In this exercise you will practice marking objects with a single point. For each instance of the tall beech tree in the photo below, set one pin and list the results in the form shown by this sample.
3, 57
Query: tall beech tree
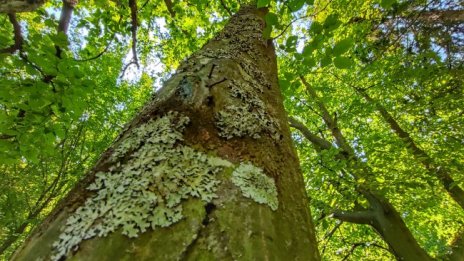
206, 170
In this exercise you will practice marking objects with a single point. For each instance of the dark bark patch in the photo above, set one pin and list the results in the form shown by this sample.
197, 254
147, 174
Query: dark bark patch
208, 208
210, 101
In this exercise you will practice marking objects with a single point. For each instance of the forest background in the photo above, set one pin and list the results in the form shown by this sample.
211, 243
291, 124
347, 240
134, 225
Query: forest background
373, 90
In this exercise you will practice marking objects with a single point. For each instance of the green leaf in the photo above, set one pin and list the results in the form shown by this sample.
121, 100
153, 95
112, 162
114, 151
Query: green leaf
267, 32
387, 4
263, 3
49, 23
271, 19
60, 39
310, 62
316, 27
295, 5
284, 84
59, 131
380, 179
63, 67
298, 56
331, 22
29, 152
289, 76
342, 62
308, 49
317, 41
326, 60
38, 103
309, 2
342, 46
291, 41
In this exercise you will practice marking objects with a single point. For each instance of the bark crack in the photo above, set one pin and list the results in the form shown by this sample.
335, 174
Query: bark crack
216, 83
209, 208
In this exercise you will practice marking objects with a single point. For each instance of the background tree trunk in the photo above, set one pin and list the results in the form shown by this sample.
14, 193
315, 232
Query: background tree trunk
206, 171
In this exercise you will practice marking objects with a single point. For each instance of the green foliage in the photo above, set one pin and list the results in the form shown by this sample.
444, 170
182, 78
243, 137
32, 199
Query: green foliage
342, 62
271, 19
342, 46
58, 114
409, 79
263, 3
387, 3
295, 5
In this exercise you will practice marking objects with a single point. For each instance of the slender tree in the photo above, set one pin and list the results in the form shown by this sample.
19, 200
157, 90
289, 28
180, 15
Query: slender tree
205, 171
380, 214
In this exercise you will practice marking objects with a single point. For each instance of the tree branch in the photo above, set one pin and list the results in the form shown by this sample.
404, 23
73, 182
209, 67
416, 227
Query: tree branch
135, 24
104, 50
18, 37
169, 6
319, 143
10, 6
443, 16
330, 233
66, 14
299, 18
65, 17
329, 120
364, 244
123, 72
357, 217
456, 248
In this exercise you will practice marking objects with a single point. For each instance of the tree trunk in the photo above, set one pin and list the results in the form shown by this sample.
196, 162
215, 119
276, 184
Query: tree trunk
206, 171
387, 222
456, 249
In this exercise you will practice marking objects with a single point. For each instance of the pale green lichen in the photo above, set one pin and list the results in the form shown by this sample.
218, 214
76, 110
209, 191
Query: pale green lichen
255, 184
146, 191
246, 115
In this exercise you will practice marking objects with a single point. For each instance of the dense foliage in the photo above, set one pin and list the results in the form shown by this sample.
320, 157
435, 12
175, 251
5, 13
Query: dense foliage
374, 89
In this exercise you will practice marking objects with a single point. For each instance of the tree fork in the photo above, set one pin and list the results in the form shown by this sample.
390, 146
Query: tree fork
205, 171
381, 214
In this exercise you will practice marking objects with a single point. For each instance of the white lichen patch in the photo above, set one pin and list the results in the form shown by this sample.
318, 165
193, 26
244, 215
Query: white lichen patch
147, 190
246, 115
255, 184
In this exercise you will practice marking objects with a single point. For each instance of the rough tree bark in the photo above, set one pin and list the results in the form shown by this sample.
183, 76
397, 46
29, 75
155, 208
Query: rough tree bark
15, 6
206, 171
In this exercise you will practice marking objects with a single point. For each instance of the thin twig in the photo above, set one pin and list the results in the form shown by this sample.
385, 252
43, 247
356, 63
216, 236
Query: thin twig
104, 50
98, 55
299, 18
126, 67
